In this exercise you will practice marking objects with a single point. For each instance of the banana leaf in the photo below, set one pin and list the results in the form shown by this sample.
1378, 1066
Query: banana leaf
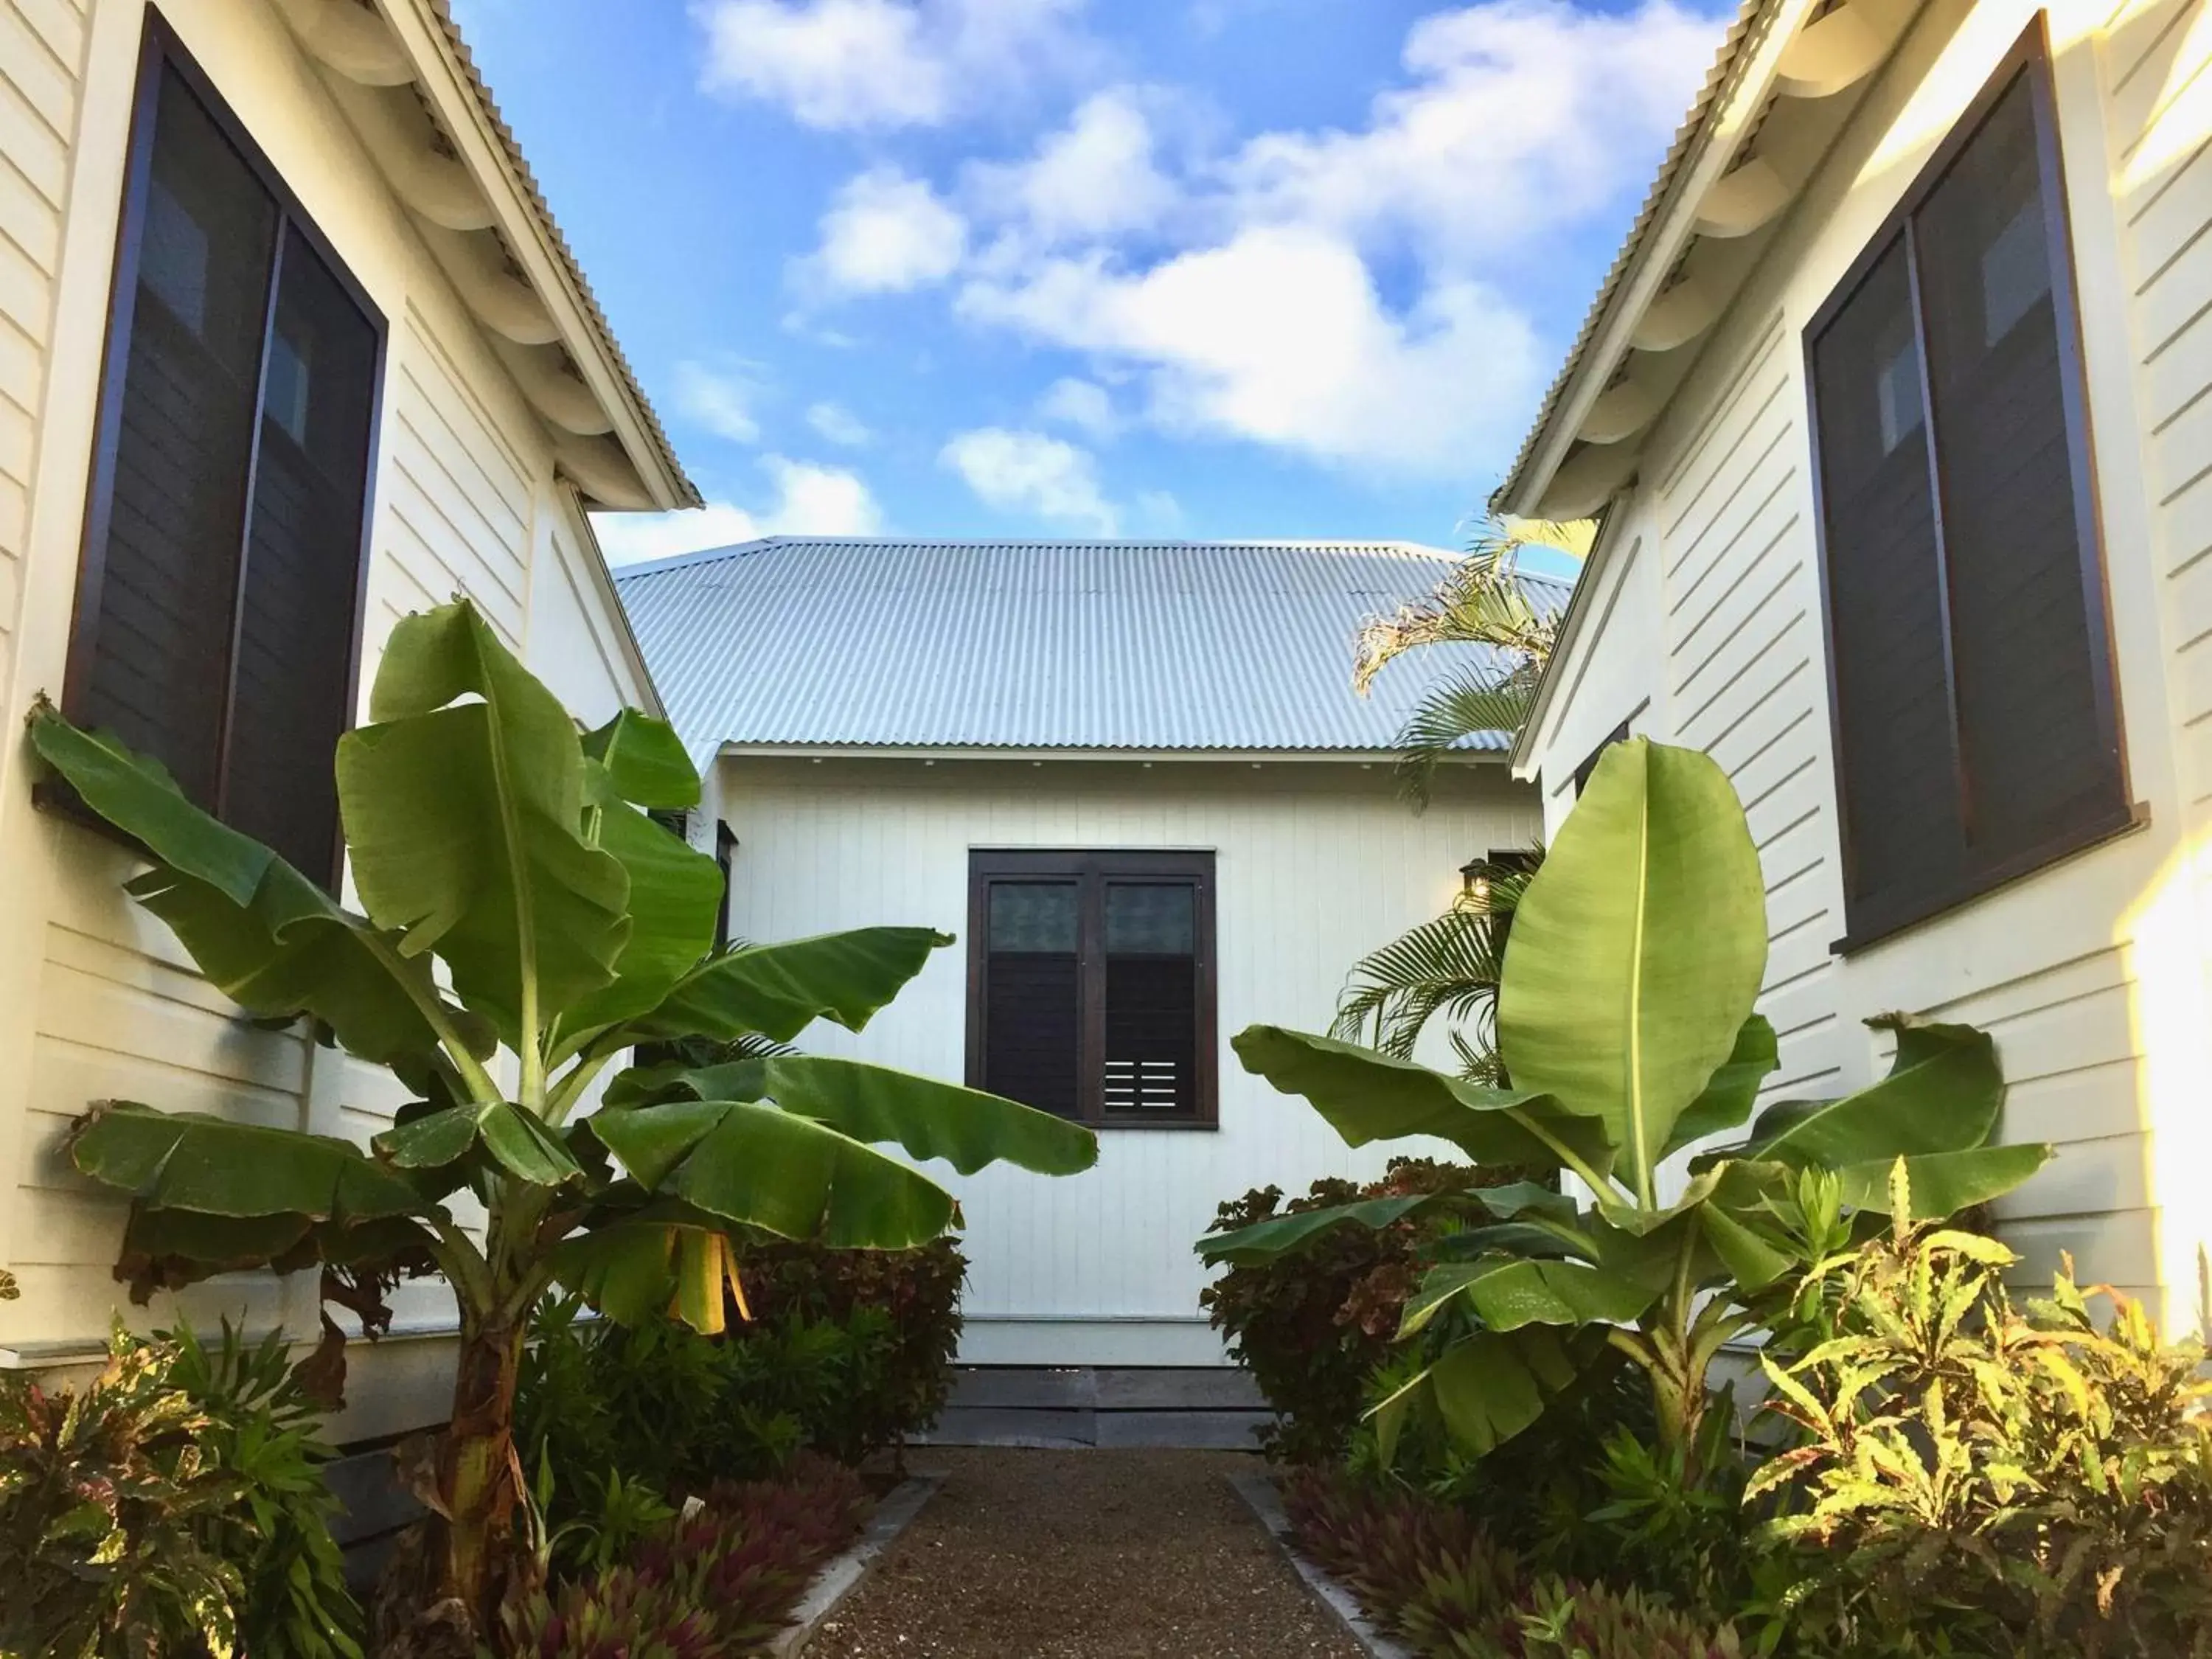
1637, 950
1367, 1097
778, 990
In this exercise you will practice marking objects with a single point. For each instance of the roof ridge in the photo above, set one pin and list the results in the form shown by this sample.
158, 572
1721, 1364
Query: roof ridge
763, 543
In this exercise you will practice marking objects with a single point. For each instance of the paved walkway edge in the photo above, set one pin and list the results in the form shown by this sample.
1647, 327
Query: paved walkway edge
1258, 1493
850, 1571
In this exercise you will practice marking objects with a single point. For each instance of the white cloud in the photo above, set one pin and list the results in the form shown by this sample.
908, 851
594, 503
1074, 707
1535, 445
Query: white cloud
836, 424
628, 538
1281, 336
809, 501
878, 65
1239, 293
820, 500
1519, 115
1031, 472
1084, 405
886, 233
1094, 178
720, 399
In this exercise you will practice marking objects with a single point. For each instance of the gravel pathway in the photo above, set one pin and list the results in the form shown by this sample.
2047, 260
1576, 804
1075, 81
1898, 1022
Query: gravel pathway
1082, 1555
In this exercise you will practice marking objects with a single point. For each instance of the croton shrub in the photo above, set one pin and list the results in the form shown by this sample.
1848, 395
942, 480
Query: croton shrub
1313, 1322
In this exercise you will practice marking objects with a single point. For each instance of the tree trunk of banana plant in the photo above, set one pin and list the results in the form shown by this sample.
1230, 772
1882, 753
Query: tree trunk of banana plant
475, 1471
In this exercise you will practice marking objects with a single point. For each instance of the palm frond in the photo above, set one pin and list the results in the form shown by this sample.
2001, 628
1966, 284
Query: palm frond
1482, 601
1453, 712
1448, 965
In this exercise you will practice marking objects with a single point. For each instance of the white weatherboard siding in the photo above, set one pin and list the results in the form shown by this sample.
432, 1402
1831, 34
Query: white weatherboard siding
96, 998
1315, 864
2091, 974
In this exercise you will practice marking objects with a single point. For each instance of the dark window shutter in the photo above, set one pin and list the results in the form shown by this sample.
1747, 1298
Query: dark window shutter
159, 670
219, 596
2037, 750
1899, 780
1032, 990
1152, 998
1090, 983
1034, 1032
1977, 730
295, 633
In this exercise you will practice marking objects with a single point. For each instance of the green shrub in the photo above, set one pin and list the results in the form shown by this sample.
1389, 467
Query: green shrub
900, 1311
718, 1582
845, 1351
1972, 1480
1315, 1323
1431, 1575
263, 1428
106, 1500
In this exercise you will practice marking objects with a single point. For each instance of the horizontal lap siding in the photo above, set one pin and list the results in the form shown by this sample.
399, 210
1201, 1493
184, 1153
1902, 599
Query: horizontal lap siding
42, 45
1745, 679
1309, 877
1737, 640
114, 1008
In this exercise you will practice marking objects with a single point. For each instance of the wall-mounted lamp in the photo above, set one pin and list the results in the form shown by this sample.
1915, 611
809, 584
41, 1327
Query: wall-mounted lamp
1474, 885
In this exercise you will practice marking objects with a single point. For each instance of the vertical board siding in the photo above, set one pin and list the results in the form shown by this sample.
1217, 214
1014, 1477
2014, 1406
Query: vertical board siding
1312, 870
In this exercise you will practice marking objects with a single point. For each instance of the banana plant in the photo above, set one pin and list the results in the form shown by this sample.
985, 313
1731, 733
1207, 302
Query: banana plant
523, 926
1626, 1022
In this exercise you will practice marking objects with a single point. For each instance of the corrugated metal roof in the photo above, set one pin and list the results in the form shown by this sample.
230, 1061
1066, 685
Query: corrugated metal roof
1160, 646
1751, 19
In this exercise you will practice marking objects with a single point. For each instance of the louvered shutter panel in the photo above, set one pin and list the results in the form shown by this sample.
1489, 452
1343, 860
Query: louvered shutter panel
2039, 752
1032, 1012
158, 674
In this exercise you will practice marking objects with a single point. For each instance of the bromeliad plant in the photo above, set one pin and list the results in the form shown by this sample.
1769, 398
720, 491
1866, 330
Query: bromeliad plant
1626, 1023
524, 924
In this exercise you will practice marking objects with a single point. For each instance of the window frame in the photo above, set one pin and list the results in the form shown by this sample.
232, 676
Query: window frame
1089, 866
160, 48
1871, 919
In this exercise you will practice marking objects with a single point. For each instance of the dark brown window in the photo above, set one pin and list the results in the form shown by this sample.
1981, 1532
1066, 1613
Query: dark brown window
1619, 734
1977, 733
1090, 983
217, 608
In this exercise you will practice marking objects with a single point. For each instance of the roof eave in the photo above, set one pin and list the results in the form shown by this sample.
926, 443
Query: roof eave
1732, 93
1519, 756
1039, 756
446, 76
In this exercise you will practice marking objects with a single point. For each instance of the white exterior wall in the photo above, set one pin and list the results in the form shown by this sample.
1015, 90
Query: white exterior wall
2091, 974
1315, 864
96, 998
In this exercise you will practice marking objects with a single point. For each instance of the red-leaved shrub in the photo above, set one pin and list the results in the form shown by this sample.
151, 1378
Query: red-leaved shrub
711, 1585
1428, 1574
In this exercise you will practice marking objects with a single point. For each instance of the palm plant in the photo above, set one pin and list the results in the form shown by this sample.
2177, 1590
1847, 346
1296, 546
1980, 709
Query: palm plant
525, 925
1482, 602
1448, 966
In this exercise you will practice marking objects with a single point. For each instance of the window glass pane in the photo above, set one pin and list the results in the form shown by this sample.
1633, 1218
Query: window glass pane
1033, 915
1149, 920
302, 571
169, 565
2037, 752
1885, 611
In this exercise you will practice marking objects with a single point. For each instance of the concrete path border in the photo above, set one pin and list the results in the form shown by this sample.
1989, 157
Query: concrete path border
1258, 1493
846, 1574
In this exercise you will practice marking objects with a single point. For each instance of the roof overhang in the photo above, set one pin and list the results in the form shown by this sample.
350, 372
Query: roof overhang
1787, 78
1364, 757
401, 75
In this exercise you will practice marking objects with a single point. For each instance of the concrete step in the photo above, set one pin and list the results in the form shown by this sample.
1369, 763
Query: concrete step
1195, 1407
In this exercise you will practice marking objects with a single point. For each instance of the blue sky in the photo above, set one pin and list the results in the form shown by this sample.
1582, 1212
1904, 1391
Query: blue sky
1204, 268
